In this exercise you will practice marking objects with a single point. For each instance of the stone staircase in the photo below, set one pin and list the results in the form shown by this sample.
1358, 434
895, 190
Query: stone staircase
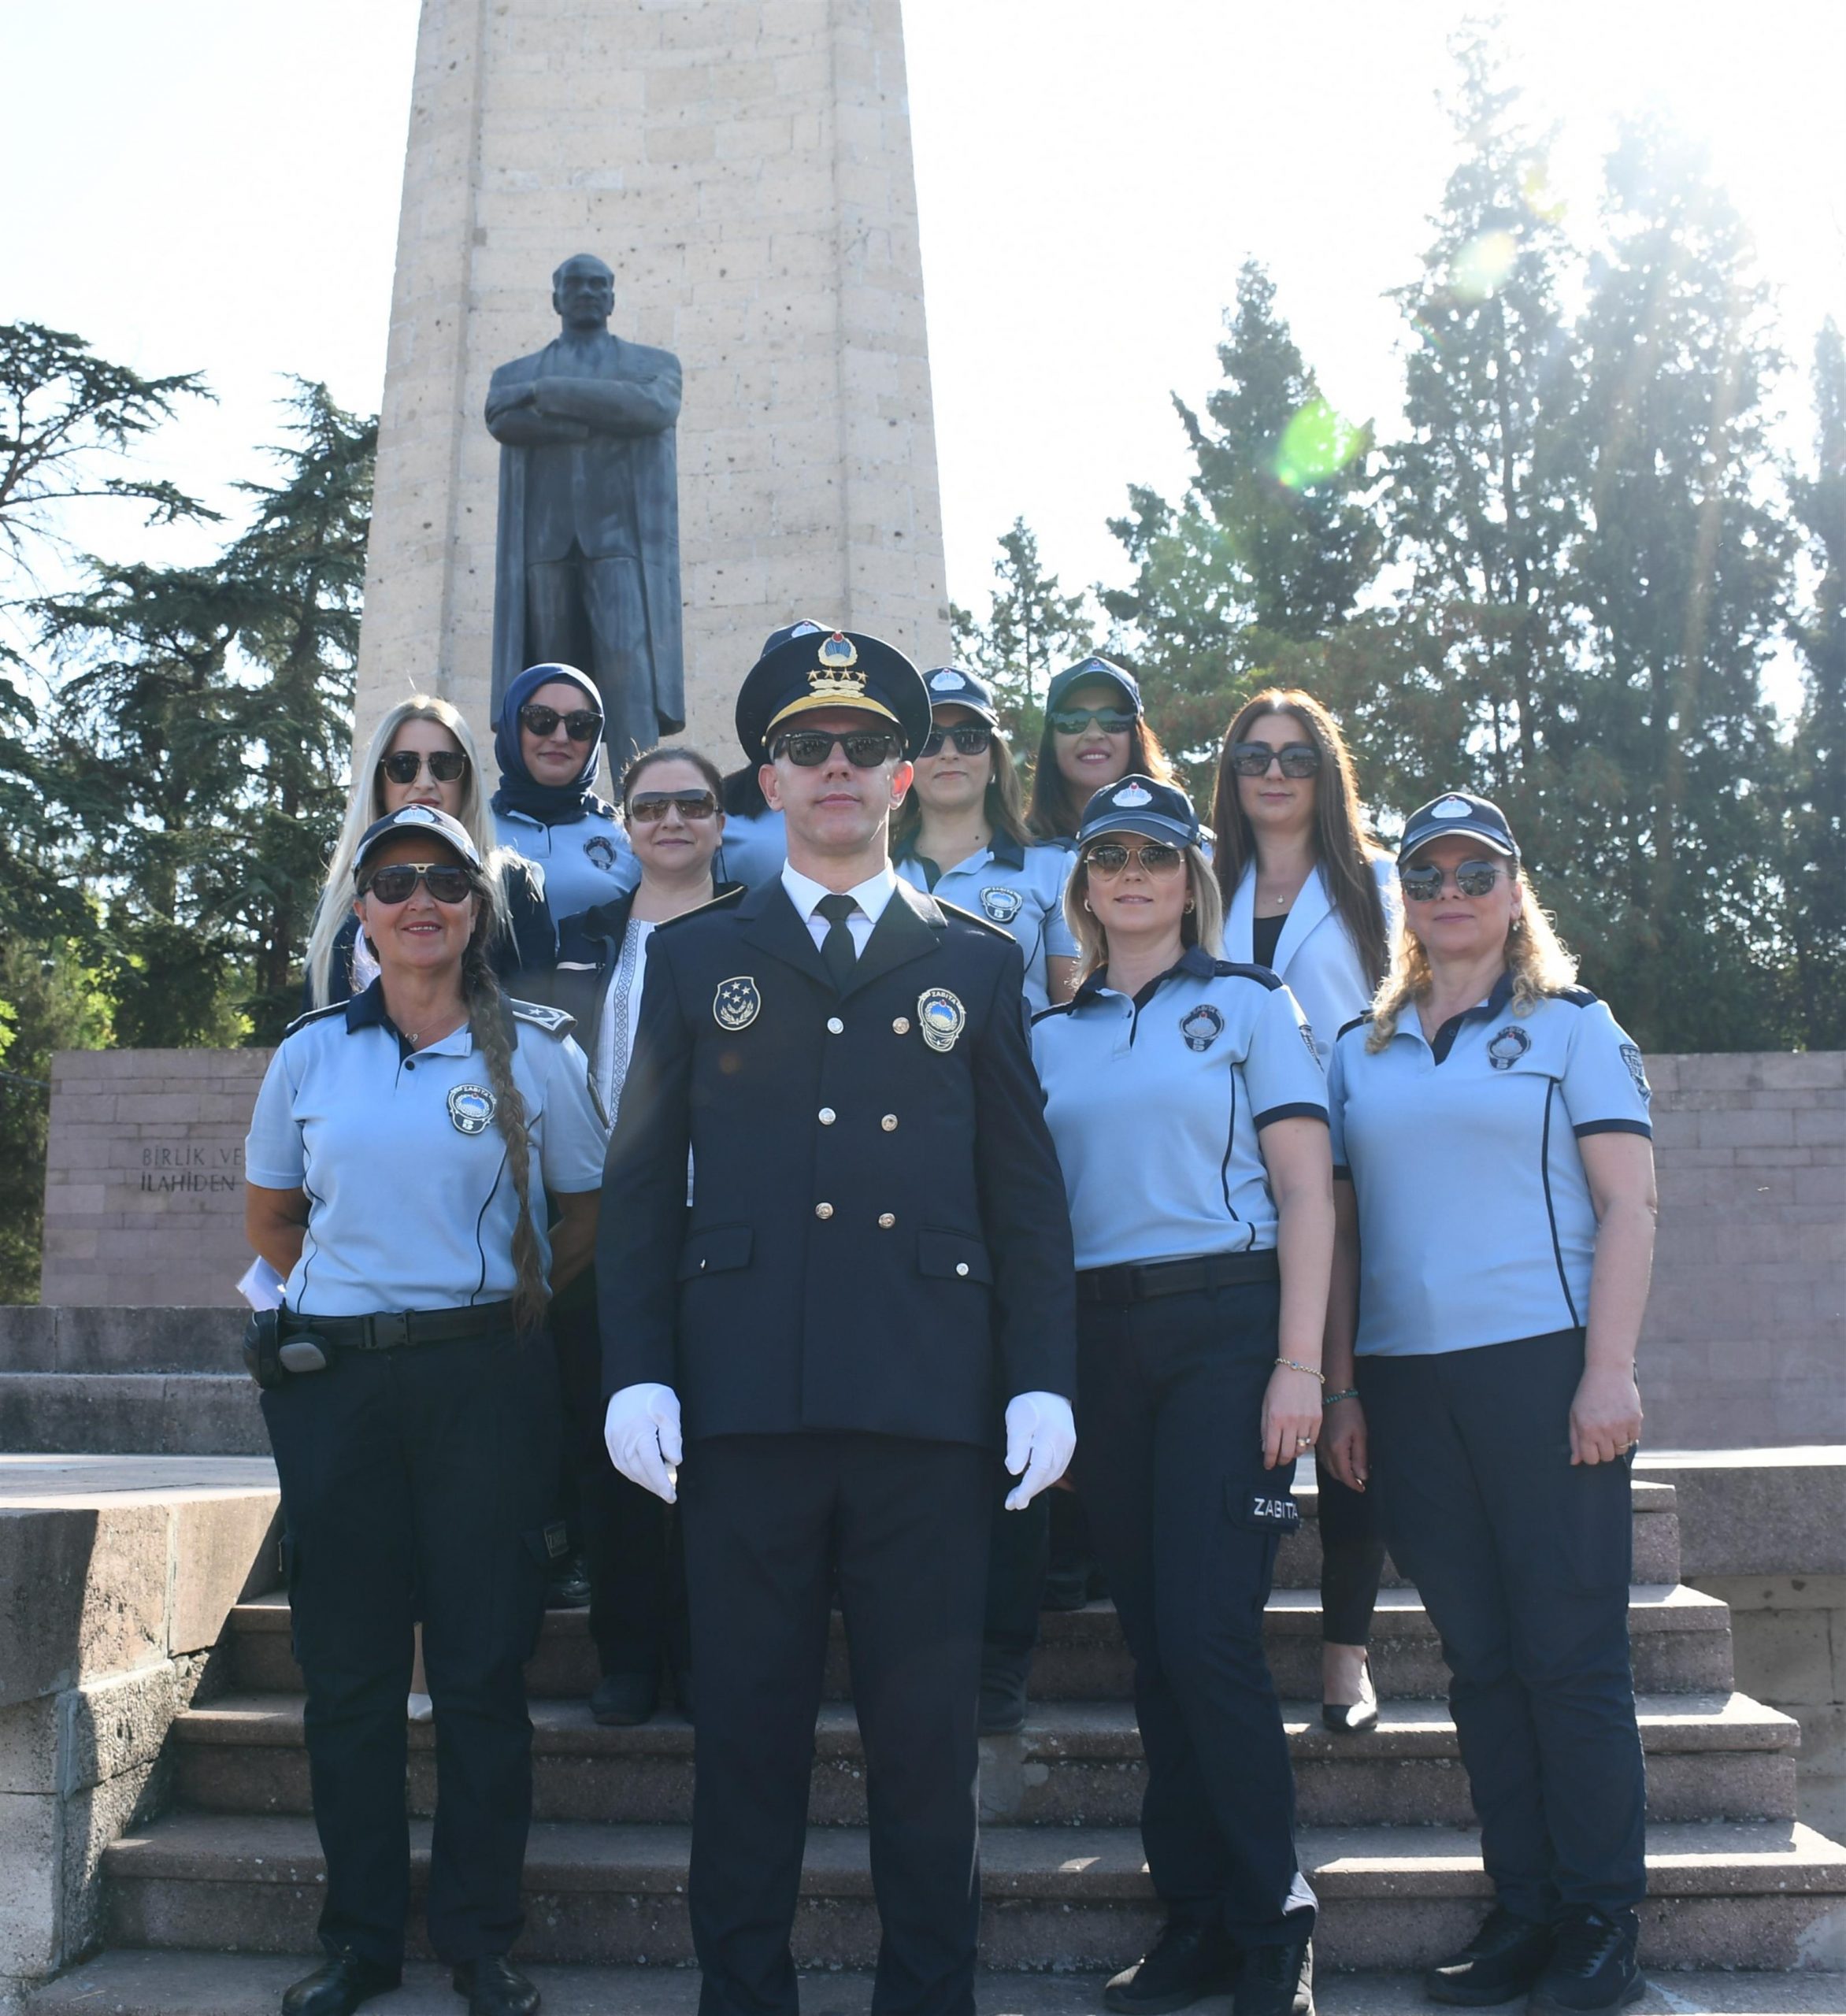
233, 1866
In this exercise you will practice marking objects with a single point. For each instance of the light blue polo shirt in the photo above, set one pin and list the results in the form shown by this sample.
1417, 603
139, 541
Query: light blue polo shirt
584, 862
1020, 889
410, 1203
1155, 1105
753, 848
1475, 1222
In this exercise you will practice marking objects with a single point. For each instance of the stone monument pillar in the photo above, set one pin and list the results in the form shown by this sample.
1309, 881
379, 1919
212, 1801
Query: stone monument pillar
744, 167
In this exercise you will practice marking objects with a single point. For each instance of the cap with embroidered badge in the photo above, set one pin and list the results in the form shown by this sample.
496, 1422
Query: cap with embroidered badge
837, 668
955, 686
419, 820
1074, 675
1140, 805
1457, 812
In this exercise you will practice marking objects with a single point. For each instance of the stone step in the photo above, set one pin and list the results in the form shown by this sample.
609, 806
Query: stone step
1742, 1895
141, 1414
1075, 1764
128, 1981
1681, 1641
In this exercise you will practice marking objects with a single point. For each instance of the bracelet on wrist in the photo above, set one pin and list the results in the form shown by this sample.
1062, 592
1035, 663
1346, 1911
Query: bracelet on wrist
1289, 1363
1345, 1393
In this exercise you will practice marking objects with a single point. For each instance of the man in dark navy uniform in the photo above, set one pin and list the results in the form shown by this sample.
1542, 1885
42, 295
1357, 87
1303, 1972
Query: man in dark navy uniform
875, 1273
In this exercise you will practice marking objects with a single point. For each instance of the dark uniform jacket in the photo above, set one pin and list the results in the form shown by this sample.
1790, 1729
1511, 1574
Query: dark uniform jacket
589, 944
879, 1240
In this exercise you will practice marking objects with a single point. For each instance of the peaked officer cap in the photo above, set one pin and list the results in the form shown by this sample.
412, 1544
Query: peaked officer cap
832, 669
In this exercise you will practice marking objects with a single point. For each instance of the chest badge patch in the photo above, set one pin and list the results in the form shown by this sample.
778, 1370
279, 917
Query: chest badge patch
1202, 1026
1001, 905
471, 1107
941, 1018
600, 849
1507, 1047
737, 1003
1637, 1071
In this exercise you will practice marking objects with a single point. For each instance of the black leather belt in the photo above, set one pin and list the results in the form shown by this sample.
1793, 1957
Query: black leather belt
392, 1330
1143, 1281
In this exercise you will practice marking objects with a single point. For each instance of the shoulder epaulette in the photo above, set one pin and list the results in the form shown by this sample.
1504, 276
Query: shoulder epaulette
1357, 1022
313, 1015
969, 916
541, 1016
719, 903
1578, 997
1235, 969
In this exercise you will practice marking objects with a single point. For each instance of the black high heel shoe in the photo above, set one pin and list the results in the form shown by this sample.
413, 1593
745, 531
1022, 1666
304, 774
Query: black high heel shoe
1353, 1717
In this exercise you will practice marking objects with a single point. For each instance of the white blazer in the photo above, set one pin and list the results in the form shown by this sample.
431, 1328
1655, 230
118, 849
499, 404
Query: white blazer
1314, 956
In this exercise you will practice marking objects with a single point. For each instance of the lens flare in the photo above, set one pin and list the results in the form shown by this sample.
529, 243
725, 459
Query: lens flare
1316, 444
1481, 266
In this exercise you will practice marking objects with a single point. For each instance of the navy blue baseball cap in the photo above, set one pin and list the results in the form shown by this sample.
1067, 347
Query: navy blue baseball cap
1092, 668
1457, 812
421, 820
831, 669
1139, 805
955, 686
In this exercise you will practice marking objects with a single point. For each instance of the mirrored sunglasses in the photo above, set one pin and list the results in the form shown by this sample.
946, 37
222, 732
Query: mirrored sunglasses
1423, 884
646, 808
1109, 858
1073, 720
810, 748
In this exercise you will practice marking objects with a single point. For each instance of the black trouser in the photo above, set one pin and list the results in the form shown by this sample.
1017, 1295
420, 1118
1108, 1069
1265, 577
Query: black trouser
632, 1553
593, 614
1019, 1551
767, 1518
1352, 1559
1523, 1563
1186, 1522
421, 1477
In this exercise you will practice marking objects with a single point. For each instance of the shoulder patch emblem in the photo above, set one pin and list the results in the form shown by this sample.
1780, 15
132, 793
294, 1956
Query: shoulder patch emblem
1638, 1071
1001, 904
737, 1002
600, 849
941, 1018
1202, 1026
471, 1107
1506, 1046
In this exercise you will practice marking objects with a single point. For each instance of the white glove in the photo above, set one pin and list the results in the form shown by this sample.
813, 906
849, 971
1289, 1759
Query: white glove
641, 1431
1041, 1438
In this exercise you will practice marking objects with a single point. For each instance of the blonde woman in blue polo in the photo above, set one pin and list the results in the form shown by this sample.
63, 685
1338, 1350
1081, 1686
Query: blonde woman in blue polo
1496, 1203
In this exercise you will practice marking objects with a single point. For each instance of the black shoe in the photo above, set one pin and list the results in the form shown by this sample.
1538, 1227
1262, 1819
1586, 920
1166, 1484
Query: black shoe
1592, 1964
567, 1587
1188, 1961
683, 1691
1276, 1981
1503, 1960
623, 1700
494, 1987
339, 1988
1002, 1692
1353, 1717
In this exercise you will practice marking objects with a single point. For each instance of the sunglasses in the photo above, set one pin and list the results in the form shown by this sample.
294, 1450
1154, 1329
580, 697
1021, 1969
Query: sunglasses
1073, 720
1110, 857
1472, 878
393, 885
403, 765
648, 808
810, 748
970, 740
581, 724
1252, 759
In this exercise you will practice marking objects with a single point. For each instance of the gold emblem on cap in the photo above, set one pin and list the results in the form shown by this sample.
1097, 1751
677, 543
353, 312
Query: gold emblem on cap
836, 676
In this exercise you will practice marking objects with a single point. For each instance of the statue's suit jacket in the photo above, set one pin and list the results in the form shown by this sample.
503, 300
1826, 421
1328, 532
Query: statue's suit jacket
609, 494
939, 1279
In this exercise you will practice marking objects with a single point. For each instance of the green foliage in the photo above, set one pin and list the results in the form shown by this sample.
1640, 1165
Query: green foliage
1033, 630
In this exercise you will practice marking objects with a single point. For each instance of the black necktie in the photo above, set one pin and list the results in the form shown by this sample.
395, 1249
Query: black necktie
837, 948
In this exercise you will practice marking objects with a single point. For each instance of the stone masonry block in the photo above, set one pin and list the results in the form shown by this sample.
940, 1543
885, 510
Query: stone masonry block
28, 1746
222, 1549
30, 1882
29, 1338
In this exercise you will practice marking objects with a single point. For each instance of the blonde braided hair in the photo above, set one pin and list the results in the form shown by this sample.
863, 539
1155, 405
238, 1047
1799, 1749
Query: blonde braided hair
487, 1021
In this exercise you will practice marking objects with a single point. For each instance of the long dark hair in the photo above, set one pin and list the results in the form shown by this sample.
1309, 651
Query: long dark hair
1341, 848
1053, 812
1002, 806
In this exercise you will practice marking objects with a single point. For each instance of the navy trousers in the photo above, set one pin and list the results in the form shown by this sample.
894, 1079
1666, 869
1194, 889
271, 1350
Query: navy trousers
1523, 1563
1186, 1523
418, 1482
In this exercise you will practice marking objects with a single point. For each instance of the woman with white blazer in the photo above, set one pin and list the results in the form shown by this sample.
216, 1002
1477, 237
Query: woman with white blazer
1306, 894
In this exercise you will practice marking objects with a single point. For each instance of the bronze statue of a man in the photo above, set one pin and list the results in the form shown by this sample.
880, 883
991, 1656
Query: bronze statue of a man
587, 569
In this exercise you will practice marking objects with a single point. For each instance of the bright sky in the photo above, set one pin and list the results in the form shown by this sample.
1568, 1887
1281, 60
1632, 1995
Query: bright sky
213, 184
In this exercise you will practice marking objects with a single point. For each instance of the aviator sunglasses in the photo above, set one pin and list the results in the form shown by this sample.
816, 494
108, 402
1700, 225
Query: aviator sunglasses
581, 724
970, 739
1424, 885
401, 765
1252, 759
1073, 720
810, 748
648, 808
393, 885
1110, 857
